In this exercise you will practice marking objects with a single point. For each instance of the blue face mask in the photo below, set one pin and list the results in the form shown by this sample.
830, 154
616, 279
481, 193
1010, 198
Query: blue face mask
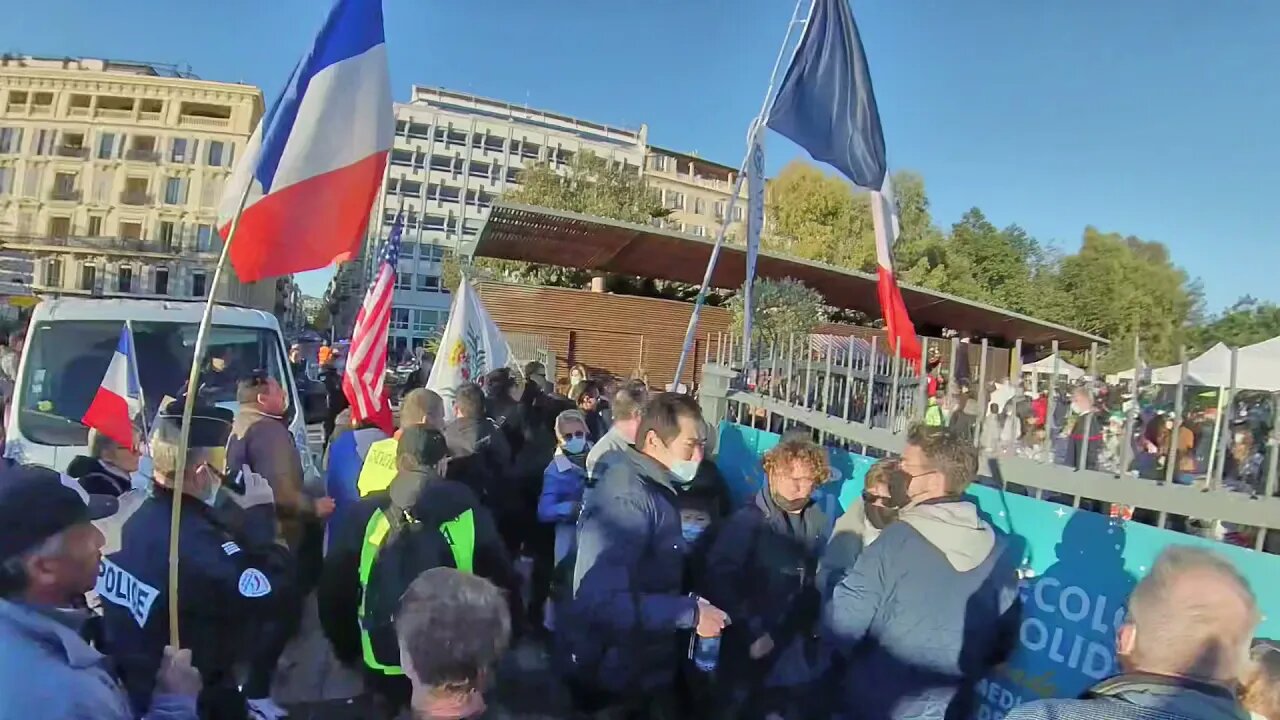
685, 470
692, 531
575, 446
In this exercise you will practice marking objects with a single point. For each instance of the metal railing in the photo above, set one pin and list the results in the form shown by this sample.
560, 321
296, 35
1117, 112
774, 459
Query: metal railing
71, 194
69, 151
135, 197
865, 400
142, 155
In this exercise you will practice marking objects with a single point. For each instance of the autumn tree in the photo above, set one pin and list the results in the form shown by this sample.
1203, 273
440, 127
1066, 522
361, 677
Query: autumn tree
1246, 322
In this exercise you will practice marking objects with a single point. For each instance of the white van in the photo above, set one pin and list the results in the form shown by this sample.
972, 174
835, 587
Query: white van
70, 342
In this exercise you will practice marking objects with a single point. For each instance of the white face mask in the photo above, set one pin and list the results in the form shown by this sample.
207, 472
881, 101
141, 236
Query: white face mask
685, 470
210, 496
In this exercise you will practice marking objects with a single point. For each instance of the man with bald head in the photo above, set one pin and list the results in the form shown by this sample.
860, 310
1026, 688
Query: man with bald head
419, 407
1183, 646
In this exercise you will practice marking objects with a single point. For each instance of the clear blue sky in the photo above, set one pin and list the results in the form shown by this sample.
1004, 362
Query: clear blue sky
1148, 118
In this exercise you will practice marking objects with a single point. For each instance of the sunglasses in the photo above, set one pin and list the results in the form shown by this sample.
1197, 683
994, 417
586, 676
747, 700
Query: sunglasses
871, 498
575, 434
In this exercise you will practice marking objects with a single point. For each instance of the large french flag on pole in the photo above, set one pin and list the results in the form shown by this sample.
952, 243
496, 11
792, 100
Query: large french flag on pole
313, 167
119, 397
827, 106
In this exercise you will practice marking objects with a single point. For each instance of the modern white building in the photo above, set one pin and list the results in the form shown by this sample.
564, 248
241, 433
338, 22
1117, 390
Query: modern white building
454, 155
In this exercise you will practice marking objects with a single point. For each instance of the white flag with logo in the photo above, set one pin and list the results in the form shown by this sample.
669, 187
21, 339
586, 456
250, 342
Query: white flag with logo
755, 222
471, 347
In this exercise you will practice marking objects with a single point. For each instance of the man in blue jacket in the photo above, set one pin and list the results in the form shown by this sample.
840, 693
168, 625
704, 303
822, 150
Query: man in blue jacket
619, 638
930, 605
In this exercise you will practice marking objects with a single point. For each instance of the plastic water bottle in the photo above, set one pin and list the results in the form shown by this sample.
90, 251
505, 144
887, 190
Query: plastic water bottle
706, 653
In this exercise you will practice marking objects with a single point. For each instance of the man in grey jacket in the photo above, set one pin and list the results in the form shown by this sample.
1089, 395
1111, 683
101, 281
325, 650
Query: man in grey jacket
628, 406
1183, 646
49, 558
930, 605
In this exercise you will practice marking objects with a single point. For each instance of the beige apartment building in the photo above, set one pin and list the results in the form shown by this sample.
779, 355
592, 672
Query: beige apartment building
111, 174
697, 193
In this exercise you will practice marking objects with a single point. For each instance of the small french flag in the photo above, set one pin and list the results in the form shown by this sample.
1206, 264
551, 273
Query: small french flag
119, 397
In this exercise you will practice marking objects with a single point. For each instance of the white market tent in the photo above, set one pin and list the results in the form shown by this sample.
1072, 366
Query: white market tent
1045, 367
1257, 368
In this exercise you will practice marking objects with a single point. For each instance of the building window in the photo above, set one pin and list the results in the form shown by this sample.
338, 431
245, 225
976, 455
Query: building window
53, 272
64, 186
6, 180
44, 142
426, 322
88, 277
720, 208
698, 231
124, 279
699, 206
162, 281
59, 227
198, 284
106, 145
674, 200
399, 318
178, 150
175, 191
166, 235
428, 283
433, 222
204, 238
131, 230
433, 253
95, 226
737, 213
10, 140
404, 281
660, 162
216, 154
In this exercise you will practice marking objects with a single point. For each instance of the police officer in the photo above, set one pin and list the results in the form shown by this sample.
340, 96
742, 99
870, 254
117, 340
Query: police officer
227, 578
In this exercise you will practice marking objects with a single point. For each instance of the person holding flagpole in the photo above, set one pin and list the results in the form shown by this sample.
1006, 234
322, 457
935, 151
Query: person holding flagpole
113, 418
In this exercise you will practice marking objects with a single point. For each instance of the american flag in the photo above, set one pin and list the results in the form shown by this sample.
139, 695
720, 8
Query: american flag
367, 358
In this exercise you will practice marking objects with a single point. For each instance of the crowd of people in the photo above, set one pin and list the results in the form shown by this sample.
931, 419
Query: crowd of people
586, 521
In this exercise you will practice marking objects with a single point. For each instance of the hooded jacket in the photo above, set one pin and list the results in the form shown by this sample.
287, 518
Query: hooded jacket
99, 478
761, 571
480, 458
924, 612
1139, 696
431, 500
563, 483
628, 602
48, 671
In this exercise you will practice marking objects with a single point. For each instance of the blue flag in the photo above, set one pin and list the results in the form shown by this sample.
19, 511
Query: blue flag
825, 103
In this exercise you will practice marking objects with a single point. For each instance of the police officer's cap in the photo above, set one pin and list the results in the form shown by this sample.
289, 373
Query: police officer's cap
210, 425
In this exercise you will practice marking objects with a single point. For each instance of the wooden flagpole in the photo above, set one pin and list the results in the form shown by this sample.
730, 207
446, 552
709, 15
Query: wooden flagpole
184, 436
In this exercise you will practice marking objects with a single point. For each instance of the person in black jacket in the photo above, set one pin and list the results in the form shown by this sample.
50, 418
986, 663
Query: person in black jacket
416, 505
229, 576
761, 569
481, 458
106, 469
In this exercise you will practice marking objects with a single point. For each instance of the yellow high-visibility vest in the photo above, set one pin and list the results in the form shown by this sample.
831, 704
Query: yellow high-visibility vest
379, 467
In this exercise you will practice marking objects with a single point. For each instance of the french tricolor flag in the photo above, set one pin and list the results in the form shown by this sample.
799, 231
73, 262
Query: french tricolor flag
314, 165
119, 397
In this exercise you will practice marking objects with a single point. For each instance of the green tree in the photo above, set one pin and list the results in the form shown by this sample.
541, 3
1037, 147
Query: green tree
1000, 262
818, 216
1246, 322
779, 308
591, 185
1120, 287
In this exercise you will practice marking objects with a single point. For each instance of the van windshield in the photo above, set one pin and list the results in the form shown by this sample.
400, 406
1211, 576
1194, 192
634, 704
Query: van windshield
67, 359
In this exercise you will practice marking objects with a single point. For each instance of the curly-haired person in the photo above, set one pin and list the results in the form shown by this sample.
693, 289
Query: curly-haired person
761, 570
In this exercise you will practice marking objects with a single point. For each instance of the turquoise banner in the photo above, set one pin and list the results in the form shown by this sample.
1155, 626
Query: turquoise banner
1080, 568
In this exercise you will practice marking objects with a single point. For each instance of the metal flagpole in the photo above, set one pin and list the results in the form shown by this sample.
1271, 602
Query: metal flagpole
758, 125
142, 397
184, 435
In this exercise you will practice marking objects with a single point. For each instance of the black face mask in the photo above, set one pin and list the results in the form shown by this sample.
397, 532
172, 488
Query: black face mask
879, 516
790, 505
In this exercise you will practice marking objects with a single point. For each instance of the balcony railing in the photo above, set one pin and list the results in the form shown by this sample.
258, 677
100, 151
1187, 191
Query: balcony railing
135, 197
142, 155
71, 151
102, 244
204, 122
70, 194
113, 114
151, 116
78, 112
